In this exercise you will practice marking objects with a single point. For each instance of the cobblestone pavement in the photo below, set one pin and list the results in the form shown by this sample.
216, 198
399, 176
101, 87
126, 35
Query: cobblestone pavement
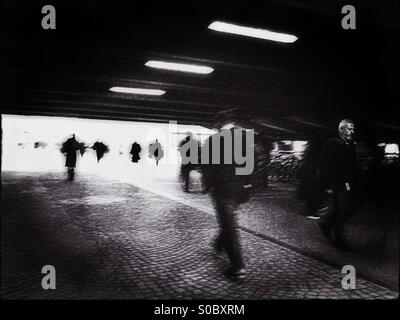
111, 240
281, 218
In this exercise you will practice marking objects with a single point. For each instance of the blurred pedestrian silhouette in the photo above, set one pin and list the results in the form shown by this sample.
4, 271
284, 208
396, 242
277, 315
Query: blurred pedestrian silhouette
189, 161
69, 149
100, 149
228, 189
135, 152
156, 151
309, 185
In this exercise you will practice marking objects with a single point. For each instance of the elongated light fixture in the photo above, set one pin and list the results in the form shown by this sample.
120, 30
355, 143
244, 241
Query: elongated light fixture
151, 92
182, 67
252, 32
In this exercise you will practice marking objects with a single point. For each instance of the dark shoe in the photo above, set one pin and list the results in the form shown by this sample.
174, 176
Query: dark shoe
340, 240
328, 237
236, 273
340, 245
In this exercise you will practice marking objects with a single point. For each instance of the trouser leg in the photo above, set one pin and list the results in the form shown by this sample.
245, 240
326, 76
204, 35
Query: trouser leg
342, 208
219, 240
228, 238
327, 220
232, 242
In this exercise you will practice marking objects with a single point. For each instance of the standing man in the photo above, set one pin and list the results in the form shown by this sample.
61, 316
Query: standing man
227, 188
337, 171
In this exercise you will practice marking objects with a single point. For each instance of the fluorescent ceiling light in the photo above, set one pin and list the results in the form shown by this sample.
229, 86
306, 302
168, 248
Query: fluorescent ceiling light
179, 67
252, 32
151, 92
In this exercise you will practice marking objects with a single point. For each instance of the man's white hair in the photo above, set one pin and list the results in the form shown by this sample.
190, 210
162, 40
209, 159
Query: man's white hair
344, 122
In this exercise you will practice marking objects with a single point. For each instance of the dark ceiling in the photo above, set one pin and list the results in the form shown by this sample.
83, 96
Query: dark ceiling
299, 89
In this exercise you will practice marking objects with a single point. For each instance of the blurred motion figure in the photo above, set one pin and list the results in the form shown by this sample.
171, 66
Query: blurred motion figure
69, 148
188, 146
228, 189
100, 149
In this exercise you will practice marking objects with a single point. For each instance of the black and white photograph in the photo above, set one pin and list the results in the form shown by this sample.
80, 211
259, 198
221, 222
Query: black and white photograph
200, 150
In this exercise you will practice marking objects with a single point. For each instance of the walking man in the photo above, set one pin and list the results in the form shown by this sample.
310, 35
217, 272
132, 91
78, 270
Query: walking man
228, 189
337, 170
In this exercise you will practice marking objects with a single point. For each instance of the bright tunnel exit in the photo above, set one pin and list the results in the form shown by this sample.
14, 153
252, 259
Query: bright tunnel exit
33, 143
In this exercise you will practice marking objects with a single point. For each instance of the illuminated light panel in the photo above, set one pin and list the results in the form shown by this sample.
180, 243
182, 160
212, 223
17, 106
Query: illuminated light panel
252, 32
151, 92
182, 67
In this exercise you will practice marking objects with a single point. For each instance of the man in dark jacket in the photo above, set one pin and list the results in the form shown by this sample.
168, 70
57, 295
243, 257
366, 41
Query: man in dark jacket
337, 171
229, 182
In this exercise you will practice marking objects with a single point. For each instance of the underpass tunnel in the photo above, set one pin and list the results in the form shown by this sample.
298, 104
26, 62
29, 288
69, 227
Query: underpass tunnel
94, 113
